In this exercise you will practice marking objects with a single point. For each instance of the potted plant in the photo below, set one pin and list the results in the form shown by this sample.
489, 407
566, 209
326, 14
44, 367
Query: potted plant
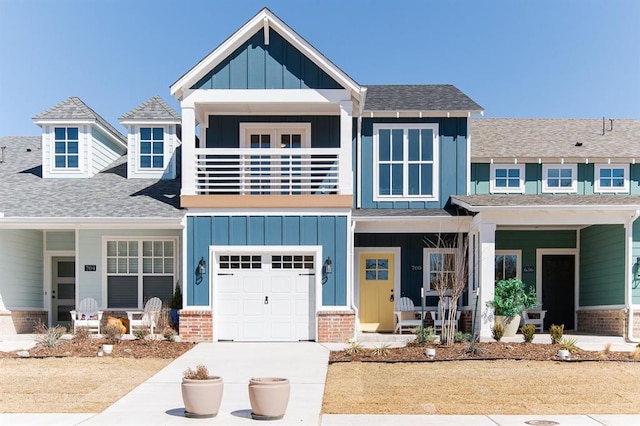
269, 397
175, 304
510, 298
201, 393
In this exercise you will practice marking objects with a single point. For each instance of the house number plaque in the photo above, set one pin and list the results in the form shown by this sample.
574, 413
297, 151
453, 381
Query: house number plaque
90, 268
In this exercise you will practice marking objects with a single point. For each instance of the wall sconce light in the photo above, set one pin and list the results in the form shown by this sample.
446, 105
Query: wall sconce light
326, 266
638, 261
202, 266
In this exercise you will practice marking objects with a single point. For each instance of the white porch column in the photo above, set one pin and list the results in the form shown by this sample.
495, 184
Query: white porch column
188, 151
486, 274
346, 142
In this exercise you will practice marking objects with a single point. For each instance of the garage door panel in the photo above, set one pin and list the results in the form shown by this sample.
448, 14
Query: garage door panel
252, 284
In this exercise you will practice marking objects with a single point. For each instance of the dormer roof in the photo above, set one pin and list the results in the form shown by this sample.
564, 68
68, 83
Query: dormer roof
155, 109
263, 20
72, 110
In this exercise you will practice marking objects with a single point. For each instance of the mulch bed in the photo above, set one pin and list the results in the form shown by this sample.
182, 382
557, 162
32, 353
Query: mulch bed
484, 351
121, 349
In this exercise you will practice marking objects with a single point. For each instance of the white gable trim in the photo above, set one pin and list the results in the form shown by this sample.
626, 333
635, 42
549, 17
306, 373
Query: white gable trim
258, 22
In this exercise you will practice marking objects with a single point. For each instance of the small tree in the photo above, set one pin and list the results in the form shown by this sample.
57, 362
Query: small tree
449, 280
176, 300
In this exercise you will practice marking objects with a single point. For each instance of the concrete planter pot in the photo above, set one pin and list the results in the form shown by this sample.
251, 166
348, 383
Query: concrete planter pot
202, 398
269, 397
107, 348
564, 354
511, 325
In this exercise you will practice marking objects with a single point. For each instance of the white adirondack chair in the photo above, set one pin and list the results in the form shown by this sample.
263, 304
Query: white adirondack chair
535, 317
406, 316
87, 315
146, 318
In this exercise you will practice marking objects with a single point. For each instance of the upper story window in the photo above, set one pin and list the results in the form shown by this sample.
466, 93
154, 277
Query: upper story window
507, 178
612, 178
66, 153
151, 148
275, 135
559, 178
405, 162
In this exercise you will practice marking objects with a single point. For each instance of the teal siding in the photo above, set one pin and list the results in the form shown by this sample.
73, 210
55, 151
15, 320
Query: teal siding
529, 242
276, 66
585, 179
634, 175
636, 269
61, 240
452, 162
480, 176
224, 130
532, 178
602, 257
327, 231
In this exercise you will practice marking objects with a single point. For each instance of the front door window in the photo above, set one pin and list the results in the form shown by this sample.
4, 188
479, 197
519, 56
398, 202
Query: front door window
376, 291
63, 290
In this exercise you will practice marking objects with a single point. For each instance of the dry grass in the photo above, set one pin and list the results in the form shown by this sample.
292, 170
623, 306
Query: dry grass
482, 387
70, 385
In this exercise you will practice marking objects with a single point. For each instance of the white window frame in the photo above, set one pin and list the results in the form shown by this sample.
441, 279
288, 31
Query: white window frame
434, 127
426, 266
152, 169
517, 253
275, 130
574, 178
500, 190
609, 190
82, 142
140, 273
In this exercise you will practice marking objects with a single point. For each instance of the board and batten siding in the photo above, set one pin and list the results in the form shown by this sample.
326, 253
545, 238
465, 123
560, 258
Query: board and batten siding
602, 267
21, 268
224, 130
529, 242
277, 65
90, 252
452, 162
103, 151
481, 176
330, 232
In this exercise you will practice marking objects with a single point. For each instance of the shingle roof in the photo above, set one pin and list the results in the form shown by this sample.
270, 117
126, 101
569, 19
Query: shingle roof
24, 194
543, 137
509, 200
153, 109
423, 97
73, 108
377, 213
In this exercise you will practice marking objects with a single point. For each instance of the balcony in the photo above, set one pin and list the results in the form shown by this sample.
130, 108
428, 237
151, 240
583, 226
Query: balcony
284, 177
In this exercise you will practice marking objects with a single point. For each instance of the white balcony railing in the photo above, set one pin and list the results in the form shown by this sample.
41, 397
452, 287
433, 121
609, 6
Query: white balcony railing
286, 171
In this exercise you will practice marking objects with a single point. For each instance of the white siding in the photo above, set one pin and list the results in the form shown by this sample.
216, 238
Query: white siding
103, 152
21, 264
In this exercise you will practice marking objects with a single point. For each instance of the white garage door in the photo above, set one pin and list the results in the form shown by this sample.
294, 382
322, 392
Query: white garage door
265, 297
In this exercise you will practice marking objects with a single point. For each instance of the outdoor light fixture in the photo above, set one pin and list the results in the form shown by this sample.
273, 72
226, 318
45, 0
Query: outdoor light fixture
638, 260
202, 266
326, 266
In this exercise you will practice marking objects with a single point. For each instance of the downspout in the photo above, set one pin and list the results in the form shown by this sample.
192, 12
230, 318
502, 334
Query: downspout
353, 287
629, 287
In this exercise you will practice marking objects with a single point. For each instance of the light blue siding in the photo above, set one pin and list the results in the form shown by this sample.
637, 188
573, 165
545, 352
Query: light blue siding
61, 240
330, 232
602, 262
21, 262
104, 151
452, 162
276, 66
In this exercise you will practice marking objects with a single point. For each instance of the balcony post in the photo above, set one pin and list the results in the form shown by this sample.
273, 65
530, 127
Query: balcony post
188, 151
346, 140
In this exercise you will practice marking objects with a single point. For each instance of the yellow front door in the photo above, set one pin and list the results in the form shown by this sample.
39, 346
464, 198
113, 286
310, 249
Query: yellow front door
376, 291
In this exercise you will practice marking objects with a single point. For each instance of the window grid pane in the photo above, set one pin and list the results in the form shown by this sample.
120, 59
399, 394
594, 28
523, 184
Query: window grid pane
151, 147
66, 148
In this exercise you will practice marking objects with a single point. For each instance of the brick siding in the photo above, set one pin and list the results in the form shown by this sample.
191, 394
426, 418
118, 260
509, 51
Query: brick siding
196, 326
605, 322
17, 322
336, 326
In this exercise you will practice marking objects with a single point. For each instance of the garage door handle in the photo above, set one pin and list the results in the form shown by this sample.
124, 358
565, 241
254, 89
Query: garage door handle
306, 274
266, 300
224, 274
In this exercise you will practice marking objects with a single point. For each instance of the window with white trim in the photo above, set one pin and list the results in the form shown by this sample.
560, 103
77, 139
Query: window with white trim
66, 148
611, 178
559, 178
439, 266
507, 264
275, 135
151, 147
507, 178
405, 160
138, 270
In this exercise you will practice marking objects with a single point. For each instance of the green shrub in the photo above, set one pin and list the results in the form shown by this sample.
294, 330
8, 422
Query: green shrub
569, 344
528, 332
497, 331
354, 348
511, 297
461, 337
556, 332
49, 337
424, 335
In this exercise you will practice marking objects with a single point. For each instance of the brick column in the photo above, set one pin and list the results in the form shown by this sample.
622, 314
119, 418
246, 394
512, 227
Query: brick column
336, 326
196, 326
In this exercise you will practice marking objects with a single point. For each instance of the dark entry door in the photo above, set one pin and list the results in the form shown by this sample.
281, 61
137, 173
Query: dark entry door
558, 289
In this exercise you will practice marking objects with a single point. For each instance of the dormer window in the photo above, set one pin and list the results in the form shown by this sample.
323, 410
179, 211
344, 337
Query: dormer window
507, 178
66, 153
151, 148
612, 178
558, 178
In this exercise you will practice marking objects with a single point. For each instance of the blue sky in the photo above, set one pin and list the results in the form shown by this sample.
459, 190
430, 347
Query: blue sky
543, 58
